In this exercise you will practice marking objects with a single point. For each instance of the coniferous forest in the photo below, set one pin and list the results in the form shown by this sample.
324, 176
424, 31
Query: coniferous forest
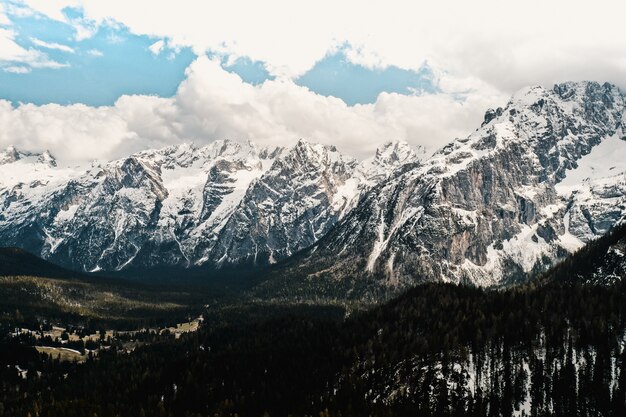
438, 350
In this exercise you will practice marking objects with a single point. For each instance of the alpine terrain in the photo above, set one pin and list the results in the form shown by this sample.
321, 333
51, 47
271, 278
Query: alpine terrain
537, 180
223, 204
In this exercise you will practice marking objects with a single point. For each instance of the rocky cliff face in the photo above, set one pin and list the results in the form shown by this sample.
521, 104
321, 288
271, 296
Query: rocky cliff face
145, 209
488, 209
223, 204
296, 201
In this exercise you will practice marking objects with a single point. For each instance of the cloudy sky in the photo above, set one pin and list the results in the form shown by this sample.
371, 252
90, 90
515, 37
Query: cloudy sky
99, 79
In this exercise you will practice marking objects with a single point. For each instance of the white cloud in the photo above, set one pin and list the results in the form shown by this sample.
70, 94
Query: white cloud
95, 53
17, 10
157, 47
17, 69
212, 103
4, 19
72, 132
488, 48
505, 44
83, 31
52, 45
12, 53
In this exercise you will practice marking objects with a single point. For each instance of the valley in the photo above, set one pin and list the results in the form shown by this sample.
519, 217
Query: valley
486, 279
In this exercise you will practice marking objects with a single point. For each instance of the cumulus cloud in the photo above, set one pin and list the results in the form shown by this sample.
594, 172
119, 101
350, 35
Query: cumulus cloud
74, 133
481, 52
212, 103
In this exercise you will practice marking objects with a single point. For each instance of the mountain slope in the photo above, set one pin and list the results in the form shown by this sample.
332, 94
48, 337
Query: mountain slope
600, 262
487, 209
539, 179
17, 262
303, 194
224, 204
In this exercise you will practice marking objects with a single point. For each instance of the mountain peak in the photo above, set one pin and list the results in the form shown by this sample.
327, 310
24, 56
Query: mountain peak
308, 153
465, 213
570, 91
485, 209
389, 156
246, 153
395, 151
10, 154
47, 158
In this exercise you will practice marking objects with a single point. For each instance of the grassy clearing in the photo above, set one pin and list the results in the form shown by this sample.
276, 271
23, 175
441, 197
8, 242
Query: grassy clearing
98, 299
64, 354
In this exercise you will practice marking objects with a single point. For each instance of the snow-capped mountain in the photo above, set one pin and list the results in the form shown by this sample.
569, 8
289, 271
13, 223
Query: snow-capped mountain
223, 204
11, 155
540, 178
537, 180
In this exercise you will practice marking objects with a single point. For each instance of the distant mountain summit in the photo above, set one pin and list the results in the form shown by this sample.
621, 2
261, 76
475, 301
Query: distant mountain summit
11, 155
224, 204
539, 179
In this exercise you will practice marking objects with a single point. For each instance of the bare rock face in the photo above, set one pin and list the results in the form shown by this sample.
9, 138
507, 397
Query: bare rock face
287, 209
225, 204
488, 209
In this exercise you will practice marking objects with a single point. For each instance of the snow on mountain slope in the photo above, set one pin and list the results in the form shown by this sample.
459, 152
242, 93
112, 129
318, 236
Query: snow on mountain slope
205, 193
606, 160
537, 180
484, 209
139, 209
596, 189
373, 170
27, 180
180, 205
302, 195
18, 167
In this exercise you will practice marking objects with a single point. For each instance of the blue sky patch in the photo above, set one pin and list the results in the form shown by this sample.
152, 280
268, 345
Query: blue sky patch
100, 69
252, 72
112, 62
336, 76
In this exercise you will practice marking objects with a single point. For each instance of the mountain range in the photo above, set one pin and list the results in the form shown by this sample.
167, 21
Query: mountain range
537, 180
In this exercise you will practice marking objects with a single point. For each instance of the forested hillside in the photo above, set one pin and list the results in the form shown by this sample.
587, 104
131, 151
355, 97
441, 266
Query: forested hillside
440, 350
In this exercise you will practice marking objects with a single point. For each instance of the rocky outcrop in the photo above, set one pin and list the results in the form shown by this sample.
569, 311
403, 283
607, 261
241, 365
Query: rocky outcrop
485, 209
